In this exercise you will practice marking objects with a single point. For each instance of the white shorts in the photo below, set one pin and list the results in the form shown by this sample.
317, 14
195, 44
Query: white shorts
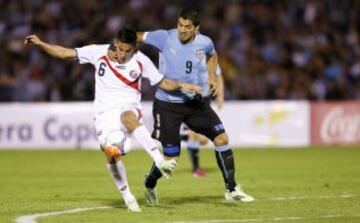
109, 128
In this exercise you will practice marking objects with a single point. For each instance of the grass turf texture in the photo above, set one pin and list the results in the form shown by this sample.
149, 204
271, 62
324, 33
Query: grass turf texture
45, 181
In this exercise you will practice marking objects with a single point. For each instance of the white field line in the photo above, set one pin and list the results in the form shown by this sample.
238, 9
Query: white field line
309, 197
33, 218
267, 219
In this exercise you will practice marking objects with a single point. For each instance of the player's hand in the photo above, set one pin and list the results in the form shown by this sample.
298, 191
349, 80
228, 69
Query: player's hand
214, 86
166, 167
32, 39
191, 88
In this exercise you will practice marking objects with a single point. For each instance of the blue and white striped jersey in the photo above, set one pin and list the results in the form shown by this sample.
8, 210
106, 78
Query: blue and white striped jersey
180, 62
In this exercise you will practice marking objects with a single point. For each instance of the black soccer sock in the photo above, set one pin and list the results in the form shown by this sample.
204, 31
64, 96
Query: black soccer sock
154, 175
194, 157
225, 161
184, 137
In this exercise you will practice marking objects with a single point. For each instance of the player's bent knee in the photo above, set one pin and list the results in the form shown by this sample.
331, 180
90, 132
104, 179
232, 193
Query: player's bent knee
202, 139
198, 138
129, 120
192, 135
221, 139
172, 151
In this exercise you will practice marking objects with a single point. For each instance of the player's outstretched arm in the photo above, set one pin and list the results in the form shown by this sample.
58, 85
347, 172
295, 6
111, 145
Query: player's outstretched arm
52, 50
170, 85
211, 63
219, 99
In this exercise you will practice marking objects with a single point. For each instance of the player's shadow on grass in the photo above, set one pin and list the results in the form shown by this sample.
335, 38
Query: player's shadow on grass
173, 202
116, 203
209, 170
119, 204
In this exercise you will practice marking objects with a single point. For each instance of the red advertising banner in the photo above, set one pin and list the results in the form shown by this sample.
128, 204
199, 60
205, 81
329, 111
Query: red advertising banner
335, 123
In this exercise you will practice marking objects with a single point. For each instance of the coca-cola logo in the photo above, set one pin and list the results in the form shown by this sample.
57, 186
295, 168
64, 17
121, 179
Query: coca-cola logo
340, 126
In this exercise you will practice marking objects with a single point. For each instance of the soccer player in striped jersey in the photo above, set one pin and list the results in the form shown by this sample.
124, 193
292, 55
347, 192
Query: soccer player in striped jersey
182, 51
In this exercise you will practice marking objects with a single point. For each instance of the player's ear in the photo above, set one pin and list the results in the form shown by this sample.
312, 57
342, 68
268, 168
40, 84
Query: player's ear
112, 46
136, 48
197, 28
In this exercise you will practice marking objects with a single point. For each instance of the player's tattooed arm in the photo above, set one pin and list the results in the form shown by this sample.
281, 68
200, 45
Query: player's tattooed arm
211, 63
219, 99
53, 50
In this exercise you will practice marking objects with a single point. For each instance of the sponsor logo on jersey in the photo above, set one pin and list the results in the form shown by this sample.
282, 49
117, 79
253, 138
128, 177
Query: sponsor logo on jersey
121, 67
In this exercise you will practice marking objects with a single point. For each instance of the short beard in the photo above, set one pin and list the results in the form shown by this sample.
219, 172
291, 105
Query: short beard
184, 41
188, 40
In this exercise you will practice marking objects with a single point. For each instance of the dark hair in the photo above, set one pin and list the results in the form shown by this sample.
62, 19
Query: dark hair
192, 14
127, 35
112, 46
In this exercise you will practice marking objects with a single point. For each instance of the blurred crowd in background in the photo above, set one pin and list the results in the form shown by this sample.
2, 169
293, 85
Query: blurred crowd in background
279, 49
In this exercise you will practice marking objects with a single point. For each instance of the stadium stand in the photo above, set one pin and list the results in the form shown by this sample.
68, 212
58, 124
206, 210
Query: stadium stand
268, 49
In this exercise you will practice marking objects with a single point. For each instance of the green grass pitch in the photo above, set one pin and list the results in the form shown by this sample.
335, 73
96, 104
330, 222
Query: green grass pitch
290, 185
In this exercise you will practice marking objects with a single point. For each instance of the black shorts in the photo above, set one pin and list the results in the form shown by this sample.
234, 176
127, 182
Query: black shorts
198, 116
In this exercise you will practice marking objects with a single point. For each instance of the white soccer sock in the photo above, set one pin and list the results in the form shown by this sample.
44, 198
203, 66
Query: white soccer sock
118, 173
142, 135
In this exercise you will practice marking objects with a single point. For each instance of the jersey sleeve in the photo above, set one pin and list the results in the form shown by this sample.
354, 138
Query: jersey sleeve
149, 70
88, 54
156, 38
209, 47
